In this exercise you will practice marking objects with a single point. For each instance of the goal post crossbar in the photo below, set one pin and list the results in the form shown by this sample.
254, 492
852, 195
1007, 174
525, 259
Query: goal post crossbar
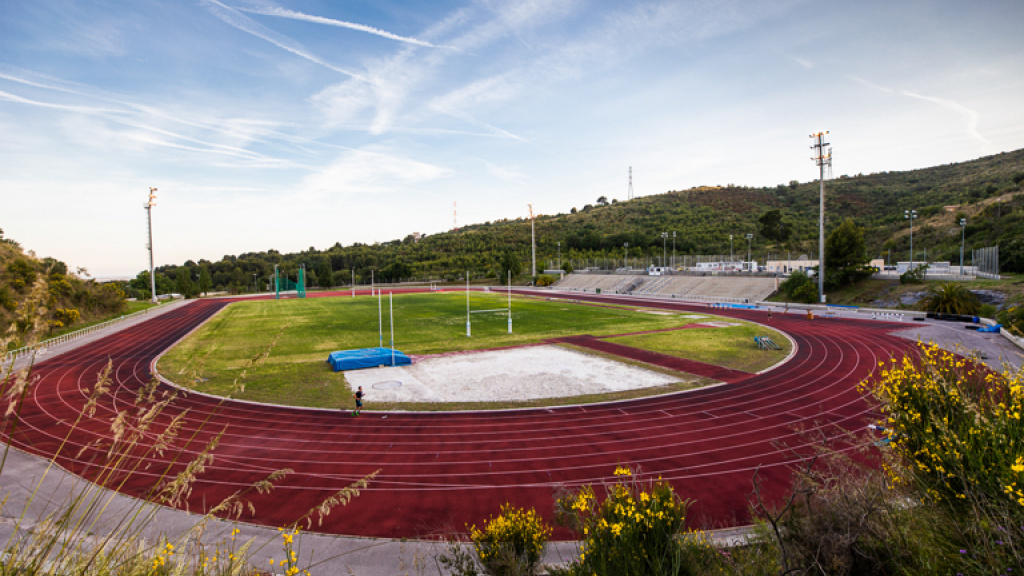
504, 311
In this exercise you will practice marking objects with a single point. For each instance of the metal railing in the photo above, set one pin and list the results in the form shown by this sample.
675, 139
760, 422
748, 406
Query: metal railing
41, 347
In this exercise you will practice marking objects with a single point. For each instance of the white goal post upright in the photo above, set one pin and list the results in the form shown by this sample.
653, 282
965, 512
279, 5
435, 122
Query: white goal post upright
470, 312
380, 322
391, 307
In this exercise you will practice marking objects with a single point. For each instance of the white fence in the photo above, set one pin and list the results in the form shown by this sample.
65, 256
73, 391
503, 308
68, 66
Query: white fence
41, 347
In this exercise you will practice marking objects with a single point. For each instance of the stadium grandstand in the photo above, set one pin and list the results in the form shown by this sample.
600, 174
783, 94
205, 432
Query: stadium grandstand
725, 288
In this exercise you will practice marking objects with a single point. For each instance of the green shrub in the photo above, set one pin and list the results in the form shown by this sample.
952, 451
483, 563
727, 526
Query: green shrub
950, 298
915, 276
1013, 319
22, 274
6, 300
799, 287
957, 428
637, 529
955, 433
545, 280
512, 543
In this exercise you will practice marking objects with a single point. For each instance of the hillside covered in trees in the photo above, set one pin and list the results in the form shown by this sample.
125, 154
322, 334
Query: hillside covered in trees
988, 192
41, 297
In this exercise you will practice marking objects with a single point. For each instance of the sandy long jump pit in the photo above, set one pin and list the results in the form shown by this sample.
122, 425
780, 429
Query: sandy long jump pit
501, 375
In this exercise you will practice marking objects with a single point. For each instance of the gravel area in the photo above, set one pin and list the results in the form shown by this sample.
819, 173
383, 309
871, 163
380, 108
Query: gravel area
502, 375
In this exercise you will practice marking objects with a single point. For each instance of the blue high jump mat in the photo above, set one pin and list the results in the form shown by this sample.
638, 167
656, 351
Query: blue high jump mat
366, 358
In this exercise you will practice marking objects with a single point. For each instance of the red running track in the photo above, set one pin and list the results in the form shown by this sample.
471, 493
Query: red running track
450, 469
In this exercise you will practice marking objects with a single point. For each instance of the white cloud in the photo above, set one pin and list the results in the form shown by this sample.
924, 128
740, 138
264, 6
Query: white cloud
238, 20
970, 115
291, 14
367, 171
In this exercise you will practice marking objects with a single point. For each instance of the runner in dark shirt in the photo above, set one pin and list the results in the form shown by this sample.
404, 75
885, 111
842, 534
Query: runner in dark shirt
359, 401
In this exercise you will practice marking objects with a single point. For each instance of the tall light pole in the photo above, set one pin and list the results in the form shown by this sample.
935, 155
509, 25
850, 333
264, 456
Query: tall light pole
254, 288
625, 259
149, 220
821, 159
749, 238
559, 255
910, 215
673, 249
730, 250
963, 231
664, 239
533, 243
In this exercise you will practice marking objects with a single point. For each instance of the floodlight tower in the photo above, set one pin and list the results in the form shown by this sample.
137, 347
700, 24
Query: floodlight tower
149, 220
749, 238
963, 232
911, 215
673, 249
533, 244
630, 192
664, 239
821, 159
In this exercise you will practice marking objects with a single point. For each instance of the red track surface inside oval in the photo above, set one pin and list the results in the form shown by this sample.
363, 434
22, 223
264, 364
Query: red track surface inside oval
450, 469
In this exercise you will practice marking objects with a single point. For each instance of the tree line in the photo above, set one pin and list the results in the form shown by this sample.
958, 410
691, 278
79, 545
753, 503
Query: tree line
782, 219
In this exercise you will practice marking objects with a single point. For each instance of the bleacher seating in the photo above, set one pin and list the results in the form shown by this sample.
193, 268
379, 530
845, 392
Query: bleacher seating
699, 288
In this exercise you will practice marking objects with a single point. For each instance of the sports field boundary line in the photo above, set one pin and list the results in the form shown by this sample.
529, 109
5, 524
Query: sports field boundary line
439, 413
155, 373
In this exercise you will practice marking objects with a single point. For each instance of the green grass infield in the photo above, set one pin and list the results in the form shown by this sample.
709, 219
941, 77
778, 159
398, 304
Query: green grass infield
275, 351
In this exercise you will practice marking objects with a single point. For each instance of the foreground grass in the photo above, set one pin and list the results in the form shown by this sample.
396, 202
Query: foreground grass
275, 351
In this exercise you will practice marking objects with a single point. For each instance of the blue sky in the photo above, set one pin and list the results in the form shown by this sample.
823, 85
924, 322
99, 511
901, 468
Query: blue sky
289, 124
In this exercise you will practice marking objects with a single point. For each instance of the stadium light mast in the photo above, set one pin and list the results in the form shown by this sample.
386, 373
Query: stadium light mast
664, 239
625, 258
963, 232
821, 159
673, 249
911, 215
749, 238
149, 220
731, 258
533, 244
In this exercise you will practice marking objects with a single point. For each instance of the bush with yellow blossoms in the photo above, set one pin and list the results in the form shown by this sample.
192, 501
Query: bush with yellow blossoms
955, 426
512, 543
635, 527
957, 438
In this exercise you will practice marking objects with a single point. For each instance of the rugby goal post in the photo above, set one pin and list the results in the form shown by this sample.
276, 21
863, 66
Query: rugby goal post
470, 312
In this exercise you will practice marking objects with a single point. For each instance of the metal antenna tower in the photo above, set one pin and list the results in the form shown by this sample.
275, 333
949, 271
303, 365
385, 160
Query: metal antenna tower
455, 217
630, 195
822, 160
149, 220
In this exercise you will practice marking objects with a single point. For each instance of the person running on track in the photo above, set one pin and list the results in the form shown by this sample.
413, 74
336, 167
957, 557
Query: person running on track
359, 401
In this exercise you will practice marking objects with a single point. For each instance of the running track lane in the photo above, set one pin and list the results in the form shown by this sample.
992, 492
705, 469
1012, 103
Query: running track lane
449, 469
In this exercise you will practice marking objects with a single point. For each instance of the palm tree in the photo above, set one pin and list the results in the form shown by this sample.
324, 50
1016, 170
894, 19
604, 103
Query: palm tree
950, 298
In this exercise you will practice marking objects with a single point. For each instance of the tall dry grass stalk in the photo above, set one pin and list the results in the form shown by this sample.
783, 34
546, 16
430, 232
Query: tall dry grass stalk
75, 536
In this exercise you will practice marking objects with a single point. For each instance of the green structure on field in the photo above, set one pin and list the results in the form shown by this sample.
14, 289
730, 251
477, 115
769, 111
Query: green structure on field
286, 284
